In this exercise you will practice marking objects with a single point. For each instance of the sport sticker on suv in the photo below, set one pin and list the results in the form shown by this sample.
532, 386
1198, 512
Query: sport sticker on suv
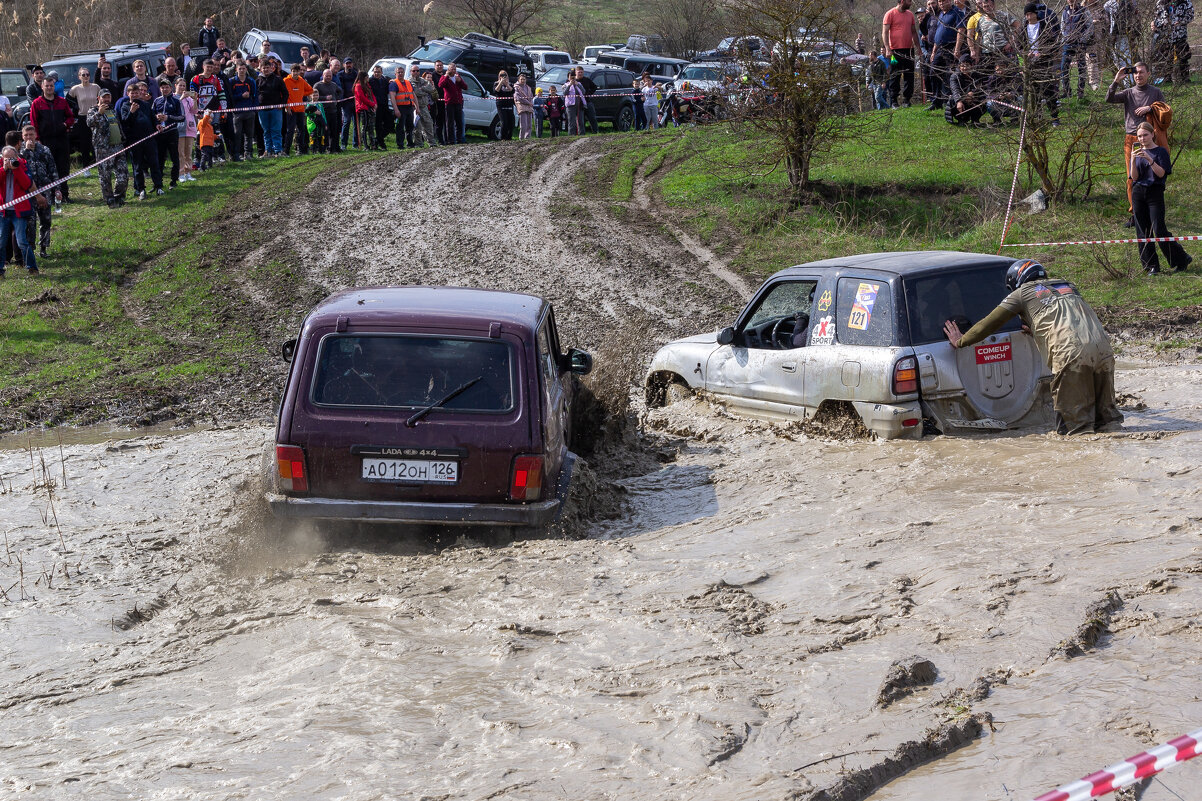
861, 310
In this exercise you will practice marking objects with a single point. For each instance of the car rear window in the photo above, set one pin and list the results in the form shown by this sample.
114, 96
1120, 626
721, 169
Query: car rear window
12, 83
965, 296
437, 52
410, 371
557, 58
865, 308
556, 75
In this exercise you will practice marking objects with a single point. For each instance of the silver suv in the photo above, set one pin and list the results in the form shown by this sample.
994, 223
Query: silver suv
866, 333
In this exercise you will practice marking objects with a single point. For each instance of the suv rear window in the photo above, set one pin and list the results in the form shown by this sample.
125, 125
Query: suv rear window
399, 371
966, 296
865, 312
556, 75
557, 58
437, 52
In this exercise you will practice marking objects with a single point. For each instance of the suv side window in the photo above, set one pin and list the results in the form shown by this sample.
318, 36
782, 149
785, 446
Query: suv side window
865, 312
473, 86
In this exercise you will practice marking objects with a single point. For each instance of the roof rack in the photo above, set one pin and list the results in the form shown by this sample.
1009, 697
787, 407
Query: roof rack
492, 40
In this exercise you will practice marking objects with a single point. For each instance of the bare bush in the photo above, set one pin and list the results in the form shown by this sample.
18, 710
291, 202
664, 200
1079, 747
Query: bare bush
501, 18
807, 106
687, 26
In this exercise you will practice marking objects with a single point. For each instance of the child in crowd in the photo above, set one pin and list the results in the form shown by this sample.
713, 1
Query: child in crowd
554, 110
207, 137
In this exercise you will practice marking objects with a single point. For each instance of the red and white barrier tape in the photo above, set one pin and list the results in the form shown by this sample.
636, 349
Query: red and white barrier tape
1106, 242
82, 170
1130, 770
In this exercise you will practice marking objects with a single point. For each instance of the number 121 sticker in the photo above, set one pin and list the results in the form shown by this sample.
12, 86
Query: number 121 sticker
861, 310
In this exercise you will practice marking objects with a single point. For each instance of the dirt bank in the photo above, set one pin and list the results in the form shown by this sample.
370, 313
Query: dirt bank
726, 637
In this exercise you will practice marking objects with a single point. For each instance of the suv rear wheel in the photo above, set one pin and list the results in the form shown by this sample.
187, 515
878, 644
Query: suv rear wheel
494, 128
625, 120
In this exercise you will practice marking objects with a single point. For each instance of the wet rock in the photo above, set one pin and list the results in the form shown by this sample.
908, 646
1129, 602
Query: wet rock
1035, 202
903, 676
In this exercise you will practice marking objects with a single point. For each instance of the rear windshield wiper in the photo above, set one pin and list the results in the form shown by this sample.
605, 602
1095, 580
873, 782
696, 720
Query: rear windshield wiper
454, 393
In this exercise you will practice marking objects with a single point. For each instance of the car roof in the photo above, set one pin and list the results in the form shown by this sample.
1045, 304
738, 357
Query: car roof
904, 263
120, 51
429, 305
283, 36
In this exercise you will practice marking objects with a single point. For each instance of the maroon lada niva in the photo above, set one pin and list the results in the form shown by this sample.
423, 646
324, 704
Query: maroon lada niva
426, 405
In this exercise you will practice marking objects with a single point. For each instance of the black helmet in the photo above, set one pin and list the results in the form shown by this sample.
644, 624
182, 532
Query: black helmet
1022, 271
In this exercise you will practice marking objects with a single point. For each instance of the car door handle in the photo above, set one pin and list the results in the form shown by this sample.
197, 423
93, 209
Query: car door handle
789, 367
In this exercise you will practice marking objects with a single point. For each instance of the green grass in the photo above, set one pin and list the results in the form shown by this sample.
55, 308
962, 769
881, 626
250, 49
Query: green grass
917, 183
140, 301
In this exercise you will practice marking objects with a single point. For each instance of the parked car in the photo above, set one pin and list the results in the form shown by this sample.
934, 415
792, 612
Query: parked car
737, 47
546, 59
661, 68
866, 333
590, 53
642, 43
121, 56
837, 52
481, 55
702, 76
286, 44
479, 105
13, 83
426, 405
613, 100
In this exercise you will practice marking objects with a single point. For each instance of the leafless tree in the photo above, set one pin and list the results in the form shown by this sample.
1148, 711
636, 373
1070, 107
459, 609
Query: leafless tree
501, 18
578, 29
806, 104
687, 26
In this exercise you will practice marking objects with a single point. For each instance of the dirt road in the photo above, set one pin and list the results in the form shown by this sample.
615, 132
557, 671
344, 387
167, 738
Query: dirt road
726, 636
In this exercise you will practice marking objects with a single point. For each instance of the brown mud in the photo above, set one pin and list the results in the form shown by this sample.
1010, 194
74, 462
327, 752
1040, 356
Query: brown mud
721, 631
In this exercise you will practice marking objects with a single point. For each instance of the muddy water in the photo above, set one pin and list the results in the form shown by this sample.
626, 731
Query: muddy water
731, 629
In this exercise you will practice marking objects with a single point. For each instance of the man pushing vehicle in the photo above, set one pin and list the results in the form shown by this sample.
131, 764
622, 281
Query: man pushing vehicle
1070, 338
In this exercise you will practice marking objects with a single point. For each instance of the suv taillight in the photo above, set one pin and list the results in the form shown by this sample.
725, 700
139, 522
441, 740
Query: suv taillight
290, 462
526, 483
905, 376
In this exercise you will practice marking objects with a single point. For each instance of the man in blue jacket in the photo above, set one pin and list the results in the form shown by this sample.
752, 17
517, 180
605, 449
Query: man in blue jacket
243, 94
137, 120
170, 115
346, 80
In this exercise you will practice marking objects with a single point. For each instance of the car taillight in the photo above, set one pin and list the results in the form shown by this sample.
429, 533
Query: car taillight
527, 481
290, 461
905, 376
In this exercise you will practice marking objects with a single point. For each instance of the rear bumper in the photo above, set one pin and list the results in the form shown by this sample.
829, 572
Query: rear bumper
452, 514
537, 514
886, 420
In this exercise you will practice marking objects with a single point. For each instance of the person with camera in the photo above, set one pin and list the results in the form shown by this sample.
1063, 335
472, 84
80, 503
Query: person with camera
1149, 167
15, 184
106, 140
1137, 102
139, 124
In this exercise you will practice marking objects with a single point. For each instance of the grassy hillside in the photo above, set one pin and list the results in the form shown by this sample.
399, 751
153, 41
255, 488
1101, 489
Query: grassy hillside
135, 308
920, 184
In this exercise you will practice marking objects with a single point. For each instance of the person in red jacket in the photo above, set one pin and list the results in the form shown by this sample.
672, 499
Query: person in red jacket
53, 117
365, 112
15, 184
452, 86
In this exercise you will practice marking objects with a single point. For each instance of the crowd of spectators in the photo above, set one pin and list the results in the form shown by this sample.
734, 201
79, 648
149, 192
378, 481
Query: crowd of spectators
967, 57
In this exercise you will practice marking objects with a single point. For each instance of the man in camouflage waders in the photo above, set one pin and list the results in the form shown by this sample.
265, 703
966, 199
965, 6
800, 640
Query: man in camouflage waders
1071, 340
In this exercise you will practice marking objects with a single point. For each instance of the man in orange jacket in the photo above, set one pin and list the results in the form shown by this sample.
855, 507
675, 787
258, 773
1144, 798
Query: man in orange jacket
294, 121
15, 184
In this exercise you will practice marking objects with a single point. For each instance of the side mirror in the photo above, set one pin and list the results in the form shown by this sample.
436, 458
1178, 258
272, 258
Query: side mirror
288, 350
726, 336
577, 361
